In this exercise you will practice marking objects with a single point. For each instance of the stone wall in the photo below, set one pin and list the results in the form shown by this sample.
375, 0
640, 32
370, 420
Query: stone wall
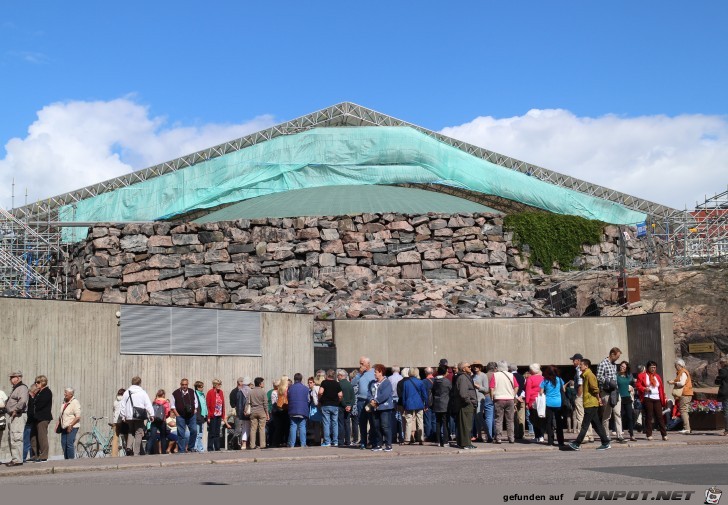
368, 265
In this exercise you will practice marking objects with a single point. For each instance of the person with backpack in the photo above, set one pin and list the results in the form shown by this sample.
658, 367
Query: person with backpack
184, 405
136, 408
157, 439
441, 387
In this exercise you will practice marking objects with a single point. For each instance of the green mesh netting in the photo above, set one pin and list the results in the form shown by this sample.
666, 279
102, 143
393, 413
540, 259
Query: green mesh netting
331, 157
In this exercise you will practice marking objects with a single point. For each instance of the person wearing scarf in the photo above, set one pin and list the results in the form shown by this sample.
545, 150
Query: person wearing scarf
652, 394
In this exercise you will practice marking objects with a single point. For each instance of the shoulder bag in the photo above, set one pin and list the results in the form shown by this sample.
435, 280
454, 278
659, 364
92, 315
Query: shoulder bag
565, 402
59, 428
138, 413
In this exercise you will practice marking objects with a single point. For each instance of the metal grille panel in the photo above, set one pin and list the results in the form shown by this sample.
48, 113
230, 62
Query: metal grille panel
186, 331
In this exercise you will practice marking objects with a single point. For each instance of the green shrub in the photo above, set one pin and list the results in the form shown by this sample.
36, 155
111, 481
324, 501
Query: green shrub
553, 237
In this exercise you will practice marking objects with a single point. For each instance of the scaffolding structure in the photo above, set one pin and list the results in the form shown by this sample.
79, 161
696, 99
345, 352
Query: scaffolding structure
32, 260
701, 235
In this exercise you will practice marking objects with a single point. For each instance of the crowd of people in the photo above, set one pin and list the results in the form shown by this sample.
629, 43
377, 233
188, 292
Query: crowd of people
375, 407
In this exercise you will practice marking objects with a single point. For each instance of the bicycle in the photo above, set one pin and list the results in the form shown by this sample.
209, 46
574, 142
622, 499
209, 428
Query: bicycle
94, 443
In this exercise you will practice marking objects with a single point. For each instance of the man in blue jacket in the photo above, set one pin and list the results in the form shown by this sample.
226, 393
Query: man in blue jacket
414, 401
298, 409
361, 383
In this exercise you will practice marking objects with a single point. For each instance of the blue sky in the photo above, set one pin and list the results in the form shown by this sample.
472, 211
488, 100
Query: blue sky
437, 64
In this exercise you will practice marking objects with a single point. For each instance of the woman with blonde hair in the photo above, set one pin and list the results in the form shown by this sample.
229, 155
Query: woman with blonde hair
279, 414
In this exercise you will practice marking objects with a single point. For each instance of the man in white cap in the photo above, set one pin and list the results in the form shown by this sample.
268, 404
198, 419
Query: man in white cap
16, 407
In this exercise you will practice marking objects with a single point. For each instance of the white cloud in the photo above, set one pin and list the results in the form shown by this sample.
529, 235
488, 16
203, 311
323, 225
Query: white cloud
673, 161
76, 144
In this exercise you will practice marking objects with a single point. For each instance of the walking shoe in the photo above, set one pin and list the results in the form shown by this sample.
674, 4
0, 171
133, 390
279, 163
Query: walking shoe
621, 441
574, 447
325, 445
362, 447
664, 438
388, 448
649, 438
685, 432
14, 463
604, 447
632, 439
471, 446
376, 449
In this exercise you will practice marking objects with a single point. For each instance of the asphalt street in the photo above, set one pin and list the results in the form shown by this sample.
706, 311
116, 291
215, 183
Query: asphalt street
645, 463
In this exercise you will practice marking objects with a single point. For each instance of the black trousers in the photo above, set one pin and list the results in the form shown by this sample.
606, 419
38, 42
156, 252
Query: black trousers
554, 414
442, 425
628, 415
591, 417
213, 434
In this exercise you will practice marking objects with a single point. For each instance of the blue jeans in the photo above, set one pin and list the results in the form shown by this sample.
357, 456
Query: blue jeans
67, 442
489, 412
26, 441
298, 424
331, 424
157, 431
183, 425
198, 441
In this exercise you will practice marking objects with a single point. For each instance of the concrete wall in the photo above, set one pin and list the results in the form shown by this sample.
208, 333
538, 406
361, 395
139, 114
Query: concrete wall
522, 341
77, 344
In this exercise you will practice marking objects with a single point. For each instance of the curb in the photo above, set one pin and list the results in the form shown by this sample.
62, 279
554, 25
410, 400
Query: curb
348, 455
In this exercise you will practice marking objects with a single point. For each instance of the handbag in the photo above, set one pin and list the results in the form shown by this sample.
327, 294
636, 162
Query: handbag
59, 428
138, 413
541, 405
565, 402
677, 392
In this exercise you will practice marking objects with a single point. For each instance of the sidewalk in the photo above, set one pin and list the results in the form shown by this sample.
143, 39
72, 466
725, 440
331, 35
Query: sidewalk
319, 453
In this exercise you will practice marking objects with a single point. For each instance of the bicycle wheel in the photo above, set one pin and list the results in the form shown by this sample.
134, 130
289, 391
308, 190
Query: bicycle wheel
87, 446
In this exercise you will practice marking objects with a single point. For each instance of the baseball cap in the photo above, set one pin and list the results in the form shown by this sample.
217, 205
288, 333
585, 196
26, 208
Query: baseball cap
577, 356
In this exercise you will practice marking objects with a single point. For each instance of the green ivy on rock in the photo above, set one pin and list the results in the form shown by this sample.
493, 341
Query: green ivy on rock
553, 237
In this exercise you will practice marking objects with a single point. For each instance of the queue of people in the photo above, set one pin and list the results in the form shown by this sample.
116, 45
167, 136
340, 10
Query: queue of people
456, 405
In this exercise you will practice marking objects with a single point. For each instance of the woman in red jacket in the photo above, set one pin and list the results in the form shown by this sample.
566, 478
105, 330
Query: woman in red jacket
215, 400
652, 394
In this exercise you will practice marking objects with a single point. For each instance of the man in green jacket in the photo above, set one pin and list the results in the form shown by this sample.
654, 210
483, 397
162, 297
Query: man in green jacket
347, 403
592, 401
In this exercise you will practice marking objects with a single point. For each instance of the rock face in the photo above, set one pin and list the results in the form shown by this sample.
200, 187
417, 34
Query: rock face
363, 266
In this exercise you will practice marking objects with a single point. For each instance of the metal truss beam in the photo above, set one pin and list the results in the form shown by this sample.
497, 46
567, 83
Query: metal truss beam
348, 114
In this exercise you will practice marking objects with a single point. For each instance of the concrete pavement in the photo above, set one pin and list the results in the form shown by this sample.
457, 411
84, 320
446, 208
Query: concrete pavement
313, 454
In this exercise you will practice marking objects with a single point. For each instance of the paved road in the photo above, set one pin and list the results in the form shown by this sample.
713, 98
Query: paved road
621, 466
